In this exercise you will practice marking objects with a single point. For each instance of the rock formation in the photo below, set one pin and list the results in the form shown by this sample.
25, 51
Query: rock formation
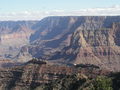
73, 39
14, 35
36, 73
84, 39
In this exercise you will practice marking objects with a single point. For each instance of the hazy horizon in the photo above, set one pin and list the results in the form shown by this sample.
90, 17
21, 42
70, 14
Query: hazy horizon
38, 9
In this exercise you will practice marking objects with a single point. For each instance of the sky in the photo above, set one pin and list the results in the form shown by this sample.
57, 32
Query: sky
38, 9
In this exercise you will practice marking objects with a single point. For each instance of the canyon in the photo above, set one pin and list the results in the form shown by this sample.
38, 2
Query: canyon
60, 53
14, 35
65, 39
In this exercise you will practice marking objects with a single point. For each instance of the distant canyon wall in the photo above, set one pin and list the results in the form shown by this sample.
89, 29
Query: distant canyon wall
14, 35
72, 39
15, 39
84, 39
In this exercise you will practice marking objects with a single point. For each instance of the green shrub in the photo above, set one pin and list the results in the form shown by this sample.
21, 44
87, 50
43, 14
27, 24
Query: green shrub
103, 83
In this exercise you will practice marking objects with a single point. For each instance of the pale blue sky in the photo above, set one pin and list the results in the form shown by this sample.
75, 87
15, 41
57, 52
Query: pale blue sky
50, 5
38, 9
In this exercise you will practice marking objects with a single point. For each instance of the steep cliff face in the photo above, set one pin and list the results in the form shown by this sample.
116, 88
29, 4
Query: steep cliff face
75, 39
95, 47
95, 42
52, 34
14, 35
91, 39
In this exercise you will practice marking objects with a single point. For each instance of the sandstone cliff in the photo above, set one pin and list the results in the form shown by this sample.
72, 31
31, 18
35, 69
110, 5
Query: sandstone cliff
85, 39
74, 39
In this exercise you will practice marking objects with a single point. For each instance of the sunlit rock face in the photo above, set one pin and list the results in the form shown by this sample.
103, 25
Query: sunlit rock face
75, 39
96, 47
85, 39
